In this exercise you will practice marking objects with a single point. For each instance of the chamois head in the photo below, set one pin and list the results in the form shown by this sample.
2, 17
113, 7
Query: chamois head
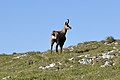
67, 25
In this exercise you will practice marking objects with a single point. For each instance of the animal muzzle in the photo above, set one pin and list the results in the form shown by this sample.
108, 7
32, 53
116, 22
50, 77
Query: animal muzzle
70, 27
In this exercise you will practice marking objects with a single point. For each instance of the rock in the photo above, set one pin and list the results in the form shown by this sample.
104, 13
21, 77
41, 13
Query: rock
6, 78
59, 63
87, 55
116, 43
19, 56
71, 59
107, 63
71, 48
85, 61
46, 67
106, 55
80, 56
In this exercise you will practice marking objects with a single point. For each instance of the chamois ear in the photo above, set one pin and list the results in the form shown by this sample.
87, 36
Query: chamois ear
66, 23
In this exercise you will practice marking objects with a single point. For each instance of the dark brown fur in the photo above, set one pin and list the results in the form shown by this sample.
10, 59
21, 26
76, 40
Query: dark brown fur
59, 37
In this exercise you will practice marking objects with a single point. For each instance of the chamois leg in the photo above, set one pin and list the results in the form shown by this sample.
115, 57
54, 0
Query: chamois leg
57, 48
61, 47
52, 42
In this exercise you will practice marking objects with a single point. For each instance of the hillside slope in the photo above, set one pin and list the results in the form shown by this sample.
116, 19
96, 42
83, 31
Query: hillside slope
85, 61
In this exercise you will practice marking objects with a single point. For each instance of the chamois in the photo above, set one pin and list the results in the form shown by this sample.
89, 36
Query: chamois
59, 37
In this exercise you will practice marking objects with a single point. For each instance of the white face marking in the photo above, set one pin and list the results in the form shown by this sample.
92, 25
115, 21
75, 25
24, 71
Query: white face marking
53, 37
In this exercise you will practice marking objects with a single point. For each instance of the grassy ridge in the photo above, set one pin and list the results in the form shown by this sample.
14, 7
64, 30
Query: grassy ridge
66, 66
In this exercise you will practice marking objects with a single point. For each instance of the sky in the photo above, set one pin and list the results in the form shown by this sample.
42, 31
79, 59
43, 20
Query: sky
26, 25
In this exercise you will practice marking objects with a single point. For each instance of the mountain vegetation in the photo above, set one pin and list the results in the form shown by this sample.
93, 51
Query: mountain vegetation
91, 60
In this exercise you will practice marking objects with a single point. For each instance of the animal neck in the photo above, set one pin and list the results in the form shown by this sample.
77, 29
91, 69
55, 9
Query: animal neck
64, 31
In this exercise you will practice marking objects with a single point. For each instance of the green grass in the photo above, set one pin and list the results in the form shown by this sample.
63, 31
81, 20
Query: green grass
27, 66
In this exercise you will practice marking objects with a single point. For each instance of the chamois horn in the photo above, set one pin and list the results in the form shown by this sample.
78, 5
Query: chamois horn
68, 20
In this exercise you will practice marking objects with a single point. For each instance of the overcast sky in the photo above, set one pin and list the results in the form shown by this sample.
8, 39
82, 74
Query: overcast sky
25, 25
